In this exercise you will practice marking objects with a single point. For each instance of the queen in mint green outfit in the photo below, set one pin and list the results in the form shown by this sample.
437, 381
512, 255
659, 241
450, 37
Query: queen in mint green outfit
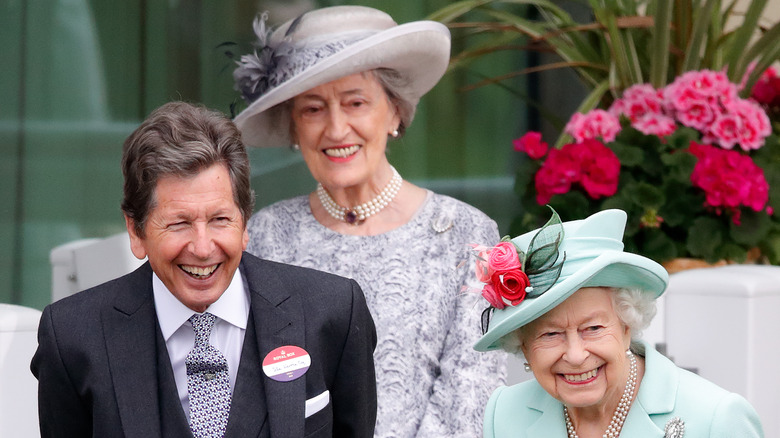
572, 303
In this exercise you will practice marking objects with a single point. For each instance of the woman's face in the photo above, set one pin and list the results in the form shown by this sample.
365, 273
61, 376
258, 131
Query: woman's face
577, 351
342, 129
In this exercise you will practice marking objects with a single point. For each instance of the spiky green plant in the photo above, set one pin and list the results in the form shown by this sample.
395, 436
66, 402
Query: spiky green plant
627, 42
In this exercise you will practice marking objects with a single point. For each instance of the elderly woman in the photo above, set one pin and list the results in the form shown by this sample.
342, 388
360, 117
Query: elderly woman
572, 303
337, 83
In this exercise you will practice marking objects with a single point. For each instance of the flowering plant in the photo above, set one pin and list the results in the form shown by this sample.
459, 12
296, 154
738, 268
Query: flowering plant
662, 132
688, 162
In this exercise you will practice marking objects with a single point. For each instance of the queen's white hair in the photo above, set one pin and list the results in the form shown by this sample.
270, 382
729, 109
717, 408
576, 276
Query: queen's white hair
634, 308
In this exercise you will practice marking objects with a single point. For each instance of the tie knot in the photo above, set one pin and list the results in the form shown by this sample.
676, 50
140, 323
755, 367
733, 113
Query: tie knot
202, 324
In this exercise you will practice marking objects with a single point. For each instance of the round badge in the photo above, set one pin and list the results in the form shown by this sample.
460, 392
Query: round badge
286, 363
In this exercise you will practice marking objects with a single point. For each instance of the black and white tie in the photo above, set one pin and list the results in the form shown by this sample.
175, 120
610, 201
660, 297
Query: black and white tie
208, 383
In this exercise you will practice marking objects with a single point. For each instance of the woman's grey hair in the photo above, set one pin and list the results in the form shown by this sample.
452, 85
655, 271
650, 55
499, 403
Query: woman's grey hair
393, 83
634, 308
181, 139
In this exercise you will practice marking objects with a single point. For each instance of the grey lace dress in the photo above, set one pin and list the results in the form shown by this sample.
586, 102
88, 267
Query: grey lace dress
430, 382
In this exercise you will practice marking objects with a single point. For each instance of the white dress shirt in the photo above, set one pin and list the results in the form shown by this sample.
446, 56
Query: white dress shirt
227, 335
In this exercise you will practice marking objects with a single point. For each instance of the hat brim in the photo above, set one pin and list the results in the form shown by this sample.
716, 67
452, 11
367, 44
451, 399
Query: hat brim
419, 51
611, 269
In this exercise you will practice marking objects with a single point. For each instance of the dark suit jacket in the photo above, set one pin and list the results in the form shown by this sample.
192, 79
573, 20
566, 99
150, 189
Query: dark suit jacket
103, 369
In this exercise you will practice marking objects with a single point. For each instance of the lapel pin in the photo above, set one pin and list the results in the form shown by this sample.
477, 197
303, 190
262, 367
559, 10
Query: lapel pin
286, 363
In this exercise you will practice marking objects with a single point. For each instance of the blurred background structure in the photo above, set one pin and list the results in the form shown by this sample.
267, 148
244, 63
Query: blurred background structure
79, 75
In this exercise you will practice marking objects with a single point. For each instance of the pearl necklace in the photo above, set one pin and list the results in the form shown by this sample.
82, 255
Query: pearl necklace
359, 213
616, 425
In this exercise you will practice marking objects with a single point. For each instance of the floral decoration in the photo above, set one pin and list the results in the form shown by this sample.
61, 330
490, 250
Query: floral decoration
511, 275
689, 162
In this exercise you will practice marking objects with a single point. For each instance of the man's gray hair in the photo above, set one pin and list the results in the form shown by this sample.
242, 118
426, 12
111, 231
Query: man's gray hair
181, 139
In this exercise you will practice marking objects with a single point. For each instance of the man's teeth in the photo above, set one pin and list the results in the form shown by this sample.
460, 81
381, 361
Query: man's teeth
199, 272
342, 152
581, 377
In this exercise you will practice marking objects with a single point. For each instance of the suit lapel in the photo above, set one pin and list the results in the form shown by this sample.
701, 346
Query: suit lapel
131, 346
551, 422
278, 321
248, 412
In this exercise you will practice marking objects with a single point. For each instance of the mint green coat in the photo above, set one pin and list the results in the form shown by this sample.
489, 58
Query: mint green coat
526, 410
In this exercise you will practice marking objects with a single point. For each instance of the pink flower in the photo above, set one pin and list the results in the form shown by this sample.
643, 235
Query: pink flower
638, 101
655, 124
531, 143
595, 124
503, 257
724, 131
492, 297
698, 113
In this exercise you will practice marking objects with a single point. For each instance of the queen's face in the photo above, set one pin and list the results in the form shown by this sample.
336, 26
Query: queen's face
342, 128
577, 351
194, 236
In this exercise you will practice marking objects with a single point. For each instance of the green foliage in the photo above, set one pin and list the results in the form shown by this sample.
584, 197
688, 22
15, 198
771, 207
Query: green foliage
627, 42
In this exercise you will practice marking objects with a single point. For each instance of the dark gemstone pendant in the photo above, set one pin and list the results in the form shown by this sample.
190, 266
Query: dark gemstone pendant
351, 217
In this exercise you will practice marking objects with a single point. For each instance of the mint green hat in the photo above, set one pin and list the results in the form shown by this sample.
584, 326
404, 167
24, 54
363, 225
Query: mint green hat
590, 254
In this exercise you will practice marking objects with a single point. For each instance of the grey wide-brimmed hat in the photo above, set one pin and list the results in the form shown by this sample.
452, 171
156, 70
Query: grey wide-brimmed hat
327, 44
589, 254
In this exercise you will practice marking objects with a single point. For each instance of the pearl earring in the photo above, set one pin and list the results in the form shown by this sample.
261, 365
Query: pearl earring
527, 367
394, 133
295, 147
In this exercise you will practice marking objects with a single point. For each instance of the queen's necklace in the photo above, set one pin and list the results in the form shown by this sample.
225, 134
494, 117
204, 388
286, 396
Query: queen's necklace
616, 425
359, 213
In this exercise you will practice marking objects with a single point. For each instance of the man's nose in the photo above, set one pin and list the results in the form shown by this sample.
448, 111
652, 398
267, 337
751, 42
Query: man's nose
202, 243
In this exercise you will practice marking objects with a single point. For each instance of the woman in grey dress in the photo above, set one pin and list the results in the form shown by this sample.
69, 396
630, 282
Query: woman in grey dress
337, 83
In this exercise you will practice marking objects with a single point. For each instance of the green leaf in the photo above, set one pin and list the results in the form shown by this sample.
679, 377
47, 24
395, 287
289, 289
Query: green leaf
659, 46
658, 246
694, 49
754, 227
645, 195
742, 36
704, 237
454, 11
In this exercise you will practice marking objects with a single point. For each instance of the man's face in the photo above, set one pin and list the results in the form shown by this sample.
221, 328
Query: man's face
194, 236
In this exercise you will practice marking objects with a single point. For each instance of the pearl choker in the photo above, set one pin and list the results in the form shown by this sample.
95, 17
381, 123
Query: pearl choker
359, 213
616, 425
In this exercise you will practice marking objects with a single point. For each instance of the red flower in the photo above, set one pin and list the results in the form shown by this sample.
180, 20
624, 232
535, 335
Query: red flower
510, 285
531, 143
729, 179
600, 169
591, 164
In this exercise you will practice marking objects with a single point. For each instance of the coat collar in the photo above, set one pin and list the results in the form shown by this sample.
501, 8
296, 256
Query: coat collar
278, 320
130, 326
550, 423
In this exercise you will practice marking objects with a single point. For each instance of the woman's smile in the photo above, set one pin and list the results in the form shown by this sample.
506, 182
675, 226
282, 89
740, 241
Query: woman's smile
583, 378
342, 153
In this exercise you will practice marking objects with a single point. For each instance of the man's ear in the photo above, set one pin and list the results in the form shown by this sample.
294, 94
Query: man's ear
136, 242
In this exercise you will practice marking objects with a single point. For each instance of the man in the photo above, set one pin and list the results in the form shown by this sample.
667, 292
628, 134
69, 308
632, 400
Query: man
203, 340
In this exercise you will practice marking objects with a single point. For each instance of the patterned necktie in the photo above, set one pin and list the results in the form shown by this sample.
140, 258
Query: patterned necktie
208, 383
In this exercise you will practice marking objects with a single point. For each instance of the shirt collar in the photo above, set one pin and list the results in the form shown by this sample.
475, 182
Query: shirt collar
232, 306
